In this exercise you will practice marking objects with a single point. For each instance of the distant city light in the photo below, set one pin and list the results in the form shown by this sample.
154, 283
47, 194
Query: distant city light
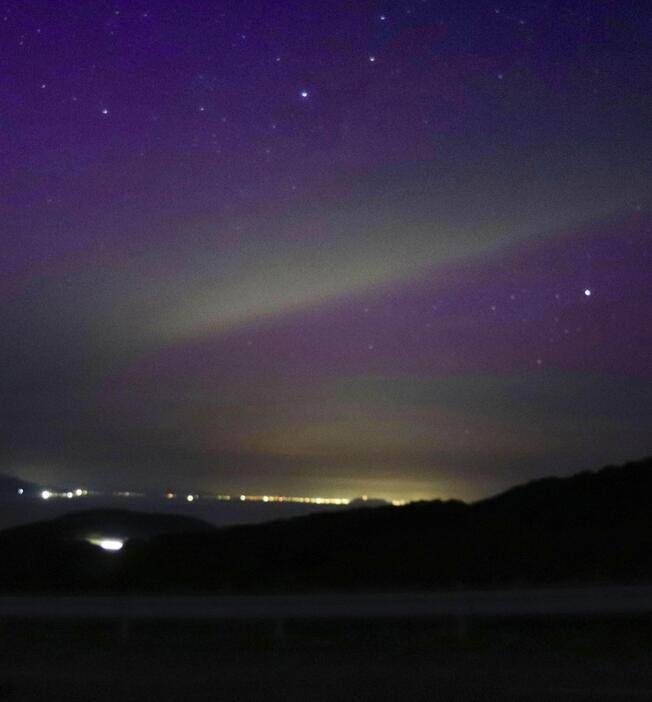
193, 497
289, 498
20, 491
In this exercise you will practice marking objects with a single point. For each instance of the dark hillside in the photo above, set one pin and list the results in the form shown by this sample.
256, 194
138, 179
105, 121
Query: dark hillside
589, 528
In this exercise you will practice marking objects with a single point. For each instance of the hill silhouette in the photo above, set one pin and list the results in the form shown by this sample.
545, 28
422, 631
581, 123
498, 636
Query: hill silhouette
119, 522
594, 527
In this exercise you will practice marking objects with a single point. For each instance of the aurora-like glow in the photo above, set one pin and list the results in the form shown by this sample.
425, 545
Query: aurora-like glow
323, 248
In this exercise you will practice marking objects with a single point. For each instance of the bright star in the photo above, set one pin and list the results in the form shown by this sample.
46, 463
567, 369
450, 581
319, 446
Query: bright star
587, 292
304, 94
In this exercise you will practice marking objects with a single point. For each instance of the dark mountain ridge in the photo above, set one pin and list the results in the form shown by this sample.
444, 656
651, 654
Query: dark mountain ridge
118, 522
594, 527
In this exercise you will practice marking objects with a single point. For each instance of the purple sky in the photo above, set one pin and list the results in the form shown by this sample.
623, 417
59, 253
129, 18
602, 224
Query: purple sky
397, 248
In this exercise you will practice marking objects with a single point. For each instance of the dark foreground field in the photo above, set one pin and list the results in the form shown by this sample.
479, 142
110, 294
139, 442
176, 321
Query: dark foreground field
526, 659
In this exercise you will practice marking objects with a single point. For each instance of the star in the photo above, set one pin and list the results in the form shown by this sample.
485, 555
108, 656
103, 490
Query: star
304, 94
105, 111
587, 292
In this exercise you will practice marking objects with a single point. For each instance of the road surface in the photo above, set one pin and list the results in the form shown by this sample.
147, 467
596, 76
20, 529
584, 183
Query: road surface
498, 603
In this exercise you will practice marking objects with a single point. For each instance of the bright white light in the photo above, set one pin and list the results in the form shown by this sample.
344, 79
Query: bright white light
69, 495
190, 498
20, 491
110, 544
46, 494
105, 111
79, 492
304, 93
587, 292
243, 498
372, 59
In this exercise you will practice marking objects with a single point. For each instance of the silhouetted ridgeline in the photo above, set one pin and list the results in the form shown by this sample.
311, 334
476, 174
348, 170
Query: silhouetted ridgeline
590, 528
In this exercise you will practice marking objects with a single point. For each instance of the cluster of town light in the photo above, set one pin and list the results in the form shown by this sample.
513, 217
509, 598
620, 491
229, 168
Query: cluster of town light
268, 498
69, 494
284, 498
303, 500
190, 497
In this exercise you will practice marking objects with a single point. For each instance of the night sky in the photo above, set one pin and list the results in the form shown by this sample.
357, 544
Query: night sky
335, 248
